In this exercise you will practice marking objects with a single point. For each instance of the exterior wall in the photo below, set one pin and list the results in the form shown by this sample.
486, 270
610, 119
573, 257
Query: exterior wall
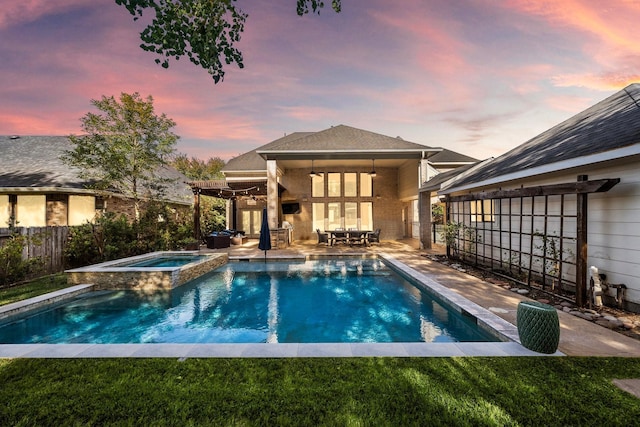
57, 209
82, 209
32, 210
120, 206
613, 222
408, 180
5, 210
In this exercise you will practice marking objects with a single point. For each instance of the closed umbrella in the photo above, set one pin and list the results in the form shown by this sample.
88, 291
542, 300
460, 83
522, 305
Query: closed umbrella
265, 235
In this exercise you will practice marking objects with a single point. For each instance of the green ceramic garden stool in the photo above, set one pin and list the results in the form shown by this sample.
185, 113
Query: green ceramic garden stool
538, 326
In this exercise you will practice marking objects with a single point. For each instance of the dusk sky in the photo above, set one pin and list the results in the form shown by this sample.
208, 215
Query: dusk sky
475, 76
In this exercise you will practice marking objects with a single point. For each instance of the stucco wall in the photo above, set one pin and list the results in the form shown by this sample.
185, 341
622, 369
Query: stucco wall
32, 210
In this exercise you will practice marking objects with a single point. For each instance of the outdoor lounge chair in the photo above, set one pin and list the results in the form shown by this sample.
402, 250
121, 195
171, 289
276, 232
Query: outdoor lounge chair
374, 237
323, 238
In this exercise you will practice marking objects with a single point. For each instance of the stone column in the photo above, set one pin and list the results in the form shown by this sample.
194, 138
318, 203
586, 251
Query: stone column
272, 193
425, 219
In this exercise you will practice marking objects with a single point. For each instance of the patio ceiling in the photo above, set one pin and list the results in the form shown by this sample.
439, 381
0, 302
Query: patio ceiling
224, 189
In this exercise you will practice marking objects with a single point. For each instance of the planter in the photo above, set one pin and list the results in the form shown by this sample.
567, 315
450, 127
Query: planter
538, 326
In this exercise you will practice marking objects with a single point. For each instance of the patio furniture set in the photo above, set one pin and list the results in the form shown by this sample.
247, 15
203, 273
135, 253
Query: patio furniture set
348, 237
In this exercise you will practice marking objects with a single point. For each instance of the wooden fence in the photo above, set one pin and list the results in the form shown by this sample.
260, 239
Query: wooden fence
48, 243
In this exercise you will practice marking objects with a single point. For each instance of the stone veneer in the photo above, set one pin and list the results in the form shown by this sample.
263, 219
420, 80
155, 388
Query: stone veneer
111, 276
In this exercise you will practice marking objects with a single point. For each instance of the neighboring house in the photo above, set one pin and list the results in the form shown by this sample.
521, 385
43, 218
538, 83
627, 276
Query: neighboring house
561, 202
37, 189
360, 179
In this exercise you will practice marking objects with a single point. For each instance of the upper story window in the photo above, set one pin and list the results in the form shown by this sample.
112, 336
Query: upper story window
317, 185
366, 185
347, 184
350, 184
334, 185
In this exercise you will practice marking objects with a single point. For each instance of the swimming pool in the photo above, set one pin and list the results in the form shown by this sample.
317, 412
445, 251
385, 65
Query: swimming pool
316, 301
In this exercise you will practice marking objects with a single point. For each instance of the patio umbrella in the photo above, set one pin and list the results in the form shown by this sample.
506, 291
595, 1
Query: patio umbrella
265, 235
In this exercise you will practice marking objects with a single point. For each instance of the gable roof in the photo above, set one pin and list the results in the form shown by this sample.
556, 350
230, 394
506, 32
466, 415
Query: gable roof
33, 162
590, 136
339, 142
341, 138
252, 161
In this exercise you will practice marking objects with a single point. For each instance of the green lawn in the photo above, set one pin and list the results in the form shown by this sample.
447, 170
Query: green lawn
534, 391
33, 288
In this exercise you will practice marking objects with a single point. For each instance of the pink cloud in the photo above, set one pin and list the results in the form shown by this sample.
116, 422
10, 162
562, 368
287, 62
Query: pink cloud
611, 38
19, 12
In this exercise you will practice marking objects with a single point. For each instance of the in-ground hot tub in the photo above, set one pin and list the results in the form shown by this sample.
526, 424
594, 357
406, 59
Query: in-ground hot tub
148, 272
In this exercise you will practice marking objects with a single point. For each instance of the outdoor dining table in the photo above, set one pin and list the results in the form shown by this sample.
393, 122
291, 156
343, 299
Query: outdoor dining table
347, 236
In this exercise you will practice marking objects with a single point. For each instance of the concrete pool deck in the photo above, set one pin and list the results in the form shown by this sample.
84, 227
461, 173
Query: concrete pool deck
578, 337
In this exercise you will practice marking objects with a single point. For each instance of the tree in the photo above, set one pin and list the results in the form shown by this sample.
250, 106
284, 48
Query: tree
123, 147
204, 30
212, 209
198, 170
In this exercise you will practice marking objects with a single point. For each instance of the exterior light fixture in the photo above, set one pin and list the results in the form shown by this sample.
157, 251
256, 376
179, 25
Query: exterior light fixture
312, 173
373, 168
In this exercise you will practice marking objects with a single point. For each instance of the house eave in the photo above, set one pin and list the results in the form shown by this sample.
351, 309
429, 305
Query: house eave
348, 154
631, 150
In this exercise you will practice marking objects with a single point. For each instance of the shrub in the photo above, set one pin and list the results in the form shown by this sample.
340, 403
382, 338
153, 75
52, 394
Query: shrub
13, 268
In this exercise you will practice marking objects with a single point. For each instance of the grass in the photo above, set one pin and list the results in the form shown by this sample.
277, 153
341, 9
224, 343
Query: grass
308, 392
33, 288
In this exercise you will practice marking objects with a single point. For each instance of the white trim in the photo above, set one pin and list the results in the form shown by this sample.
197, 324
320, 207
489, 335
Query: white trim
619, 153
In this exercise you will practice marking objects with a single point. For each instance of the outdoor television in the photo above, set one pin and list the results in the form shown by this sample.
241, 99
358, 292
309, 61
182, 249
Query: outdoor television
290, 208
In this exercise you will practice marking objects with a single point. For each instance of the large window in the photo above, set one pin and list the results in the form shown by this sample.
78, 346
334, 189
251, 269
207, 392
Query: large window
334, 215
351, 215
333, 180
366, 216
350, 184
318, 216
366, 185
317, 185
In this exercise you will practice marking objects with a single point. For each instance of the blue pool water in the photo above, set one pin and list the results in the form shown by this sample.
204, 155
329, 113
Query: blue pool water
164, 261
359, 300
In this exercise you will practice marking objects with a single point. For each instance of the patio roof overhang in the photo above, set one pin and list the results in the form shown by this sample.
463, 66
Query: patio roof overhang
376, 154
224, 189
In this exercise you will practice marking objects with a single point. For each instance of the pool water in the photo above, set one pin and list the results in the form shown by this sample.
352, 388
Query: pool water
358, 300
165, 261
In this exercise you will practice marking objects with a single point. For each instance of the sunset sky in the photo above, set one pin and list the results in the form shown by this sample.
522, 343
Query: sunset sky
475, 76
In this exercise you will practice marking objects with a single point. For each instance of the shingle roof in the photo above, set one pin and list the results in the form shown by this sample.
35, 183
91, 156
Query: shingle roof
336, 139
344, 138
253, 161
608, 125
34, 162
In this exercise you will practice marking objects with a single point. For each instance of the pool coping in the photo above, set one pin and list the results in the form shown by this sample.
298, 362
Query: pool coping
485, 318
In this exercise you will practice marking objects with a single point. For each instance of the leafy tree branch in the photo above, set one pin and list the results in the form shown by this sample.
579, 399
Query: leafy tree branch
205, 31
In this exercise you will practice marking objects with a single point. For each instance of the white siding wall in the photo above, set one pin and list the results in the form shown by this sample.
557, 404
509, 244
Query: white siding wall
613, 222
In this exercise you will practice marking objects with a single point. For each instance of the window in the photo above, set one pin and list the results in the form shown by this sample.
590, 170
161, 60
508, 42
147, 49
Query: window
366, 185
333, 180
482, 210
334, 215
317, 185
366, 216
350, 184
351, 215
317, 212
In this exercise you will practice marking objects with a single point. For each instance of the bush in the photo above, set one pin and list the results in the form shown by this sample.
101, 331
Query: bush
13, 268
160, 228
